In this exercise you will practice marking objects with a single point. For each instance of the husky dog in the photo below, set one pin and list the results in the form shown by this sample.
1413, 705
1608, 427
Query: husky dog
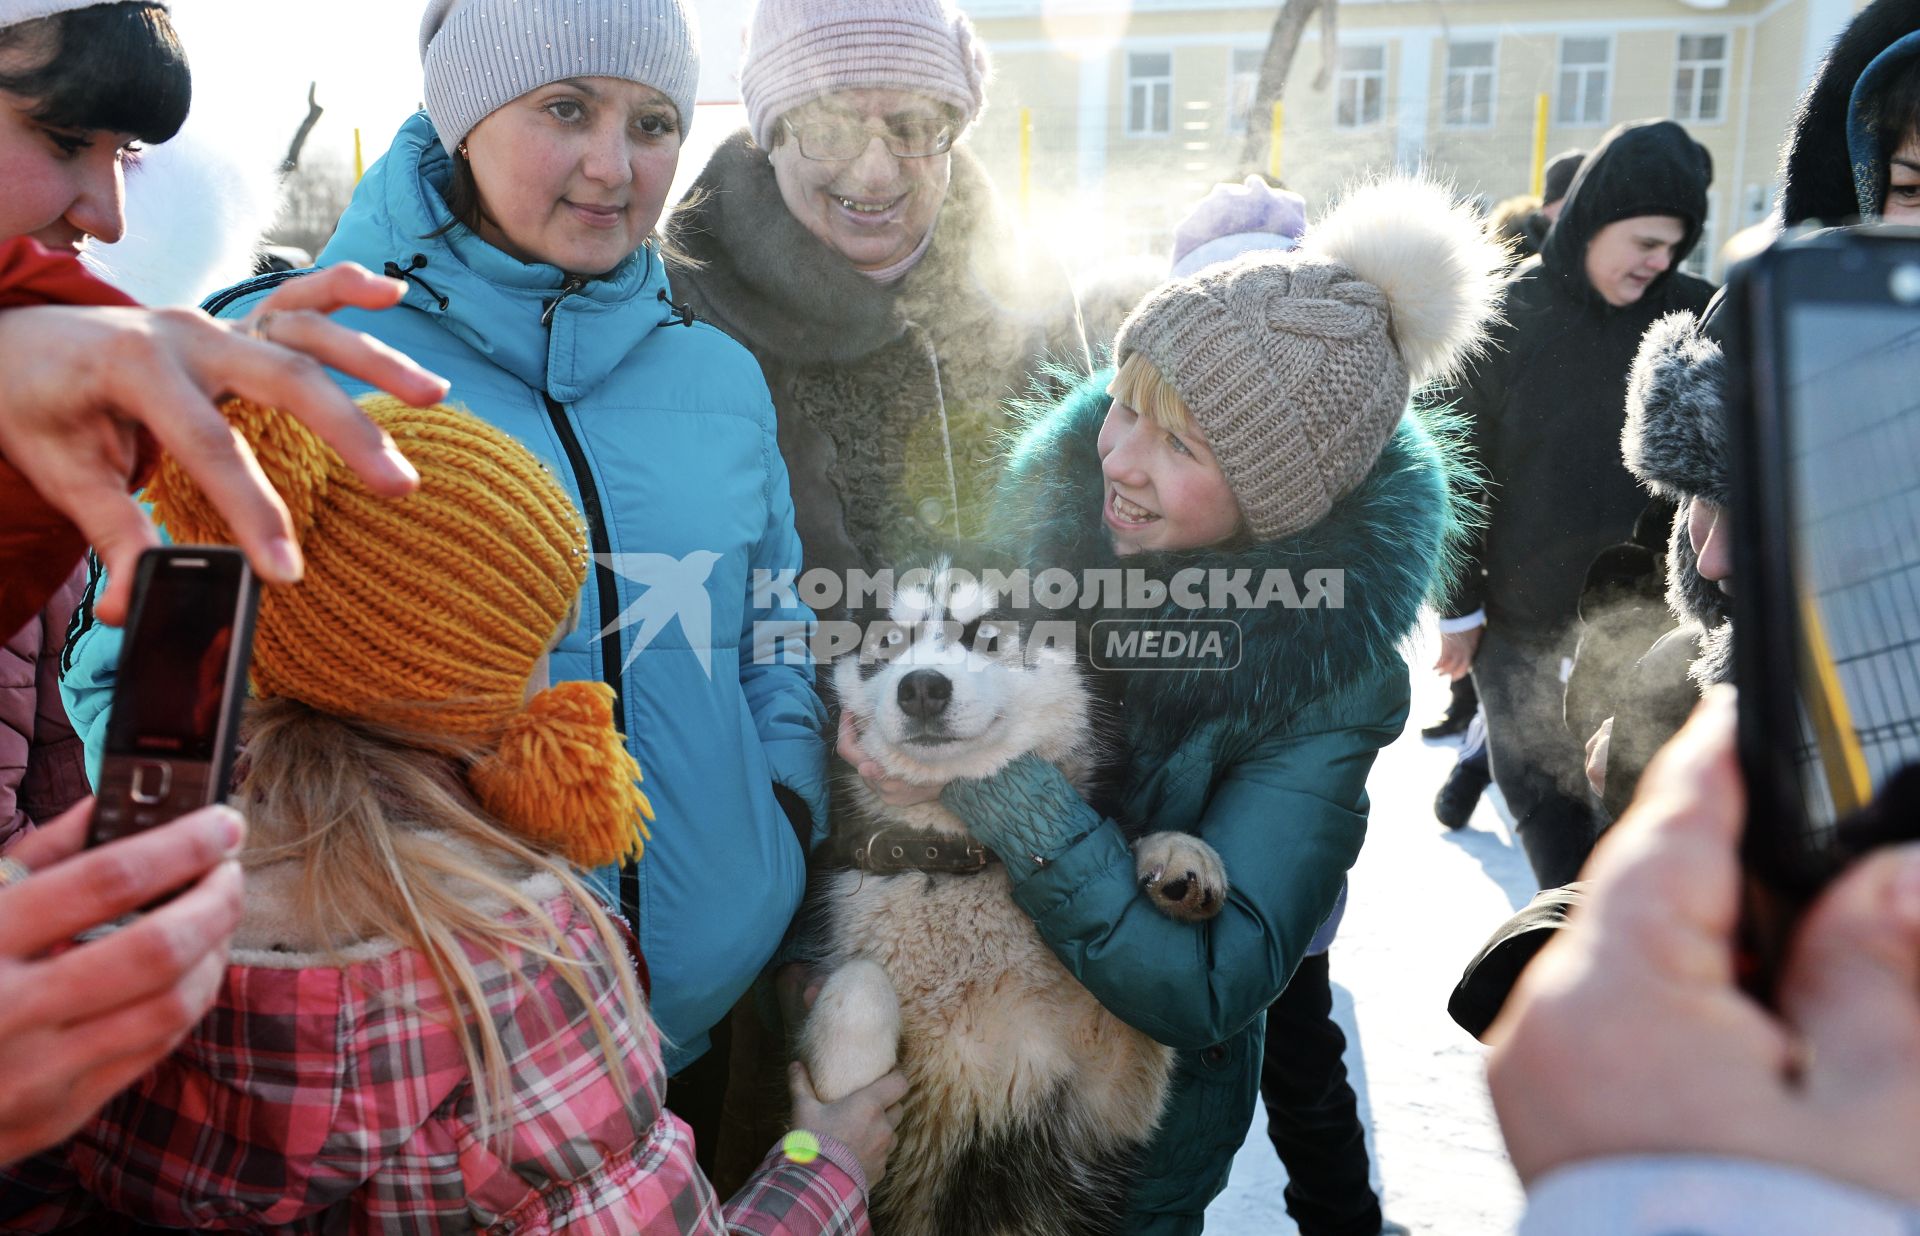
1029, 1101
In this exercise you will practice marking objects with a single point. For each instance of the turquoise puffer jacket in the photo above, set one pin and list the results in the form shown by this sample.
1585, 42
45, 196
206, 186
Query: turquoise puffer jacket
1266, 762
663, 432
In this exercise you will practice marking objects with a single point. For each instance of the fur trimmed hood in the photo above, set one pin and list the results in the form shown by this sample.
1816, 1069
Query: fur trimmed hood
1675, 443
759, 275
1817, 176
1395, 537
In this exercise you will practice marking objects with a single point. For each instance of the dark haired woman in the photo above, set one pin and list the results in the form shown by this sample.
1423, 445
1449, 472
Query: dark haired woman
83, 375
521, 207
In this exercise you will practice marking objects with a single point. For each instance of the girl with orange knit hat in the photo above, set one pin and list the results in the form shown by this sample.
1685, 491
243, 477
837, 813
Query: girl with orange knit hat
428, 1023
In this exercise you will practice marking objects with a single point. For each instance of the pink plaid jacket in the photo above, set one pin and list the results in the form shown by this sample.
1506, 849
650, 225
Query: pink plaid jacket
335, 1099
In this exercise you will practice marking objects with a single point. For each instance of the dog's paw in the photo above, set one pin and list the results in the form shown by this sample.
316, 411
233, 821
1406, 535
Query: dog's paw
852, 1034
1182, 875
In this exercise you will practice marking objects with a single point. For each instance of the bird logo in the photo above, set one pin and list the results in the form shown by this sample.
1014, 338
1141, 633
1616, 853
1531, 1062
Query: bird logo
672, 589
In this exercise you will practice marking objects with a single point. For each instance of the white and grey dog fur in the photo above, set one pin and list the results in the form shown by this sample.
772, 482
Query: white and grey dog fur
1029, 1101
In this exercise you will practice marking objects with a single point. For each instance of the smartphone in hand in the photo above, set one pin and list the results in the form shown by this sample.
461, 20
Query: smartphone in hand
182, 680
1824, 419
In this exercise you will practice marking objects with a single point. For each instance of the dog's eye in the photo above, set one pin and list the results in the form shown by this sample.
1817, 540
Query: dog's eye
986, 637
894, 637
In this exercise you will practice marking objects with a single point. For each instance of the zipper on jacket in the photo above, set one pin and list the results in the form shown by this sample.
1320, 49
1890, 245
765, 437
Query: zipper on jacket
607, 585
573, 284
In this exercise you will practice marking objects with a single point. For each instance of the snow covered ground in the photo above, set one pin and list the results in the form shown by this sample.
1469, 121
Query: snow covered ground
1423, 901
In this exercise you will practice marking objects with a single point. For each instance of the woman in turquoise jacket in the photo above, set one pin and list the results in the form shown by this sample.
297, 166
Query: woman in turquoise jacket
521, 220
1255, 426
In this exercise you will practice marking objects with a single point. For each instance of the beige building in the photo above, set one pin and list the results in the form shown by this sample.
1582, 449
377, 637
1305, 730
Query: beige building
1132, 110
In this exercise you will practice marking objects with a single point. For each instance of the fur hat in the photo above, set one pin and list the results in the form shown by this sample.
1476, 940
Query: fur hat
799, 50
480, 55
428, 613
1675, 442
1675, 436
1298, 365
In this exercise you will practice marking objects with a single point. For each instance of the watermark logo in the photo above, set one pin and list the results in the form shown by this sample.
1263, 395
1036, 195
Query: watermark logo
1190, 621
673, 589
1165, 644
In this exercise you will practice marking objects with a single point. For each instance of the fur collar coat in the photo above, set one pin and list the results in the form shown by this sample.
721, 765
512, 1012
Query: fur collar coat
1392, 539
1267, 761
891, 398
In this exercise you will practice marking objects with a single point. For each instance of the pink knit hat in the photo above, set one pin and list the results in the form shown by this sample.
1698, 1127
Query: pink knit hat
799, 50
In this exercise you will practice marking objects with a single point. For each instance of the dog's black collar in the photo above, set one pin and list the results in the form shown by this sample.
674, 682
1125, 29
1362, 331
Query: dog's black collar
898, 848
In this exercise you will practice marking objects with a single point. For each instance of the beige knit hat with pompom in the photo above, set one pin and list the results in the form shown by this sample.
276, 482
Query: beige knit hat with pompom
1297, 365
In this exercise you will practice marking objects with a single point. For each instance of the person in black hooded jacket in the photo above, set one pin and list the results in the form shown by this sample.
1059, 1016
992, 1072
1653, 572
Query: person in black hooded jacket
1545, 405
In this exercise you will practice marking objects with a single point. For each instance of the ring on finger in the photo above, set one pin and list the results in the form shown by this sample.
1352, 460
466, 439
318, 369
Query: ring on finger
12, 871
258, 327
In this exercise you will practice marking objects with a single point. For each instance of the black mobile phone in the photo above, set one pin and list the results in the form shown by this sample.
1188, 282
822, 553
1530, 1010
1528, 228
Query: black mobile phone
1824, 422
182, 680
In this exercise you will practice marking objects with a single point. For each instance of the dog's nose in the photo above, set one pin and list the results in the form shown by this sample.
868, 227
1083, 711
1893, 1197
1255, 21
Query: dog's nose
925, 694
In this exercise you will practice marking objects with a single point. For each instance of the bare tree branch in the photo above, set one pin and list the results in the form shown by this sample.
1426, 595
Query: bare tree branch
314, 112
1289, 27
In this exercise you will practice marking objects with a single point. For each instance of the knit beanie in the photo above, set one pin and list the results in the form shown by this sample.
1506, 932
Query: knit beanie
1298, 365
427, 613
1237, 219
482, 54
13, 12
799, 50
1559, 175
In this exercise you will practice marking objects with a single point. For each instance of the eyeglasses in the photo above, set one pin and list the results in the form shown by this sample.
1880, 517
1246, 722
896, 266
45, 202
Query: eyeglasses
838, 141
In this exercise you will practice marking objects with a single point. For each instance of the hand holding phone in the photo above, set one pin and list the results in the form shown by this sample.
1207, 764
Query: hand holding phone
86, 1020
182, 681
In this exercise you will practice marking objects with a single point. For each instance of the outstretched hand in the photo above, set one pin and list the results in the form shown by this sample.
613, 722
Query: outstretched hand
863, 1121
1629, 1034
79, 380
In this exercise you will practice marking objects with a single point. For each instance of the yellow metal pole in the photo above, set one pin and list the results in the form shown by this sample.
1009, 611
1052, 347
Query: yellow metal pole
1831, 717
1026, 158
1273, 140
359, 164
1540, 145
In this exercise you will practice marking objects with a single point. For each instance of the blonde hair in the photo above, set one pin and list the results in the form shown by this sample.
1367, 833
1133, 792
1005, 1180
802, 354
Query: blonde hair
1141, 387
393, 845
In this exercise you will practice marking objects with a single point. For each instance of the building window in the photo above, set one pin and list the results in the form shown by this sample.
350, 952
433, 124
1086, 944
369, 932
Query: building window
1469, 85
1700, 261
1360, 87
1700, 78
1149, 94
1243, 81
1585, 66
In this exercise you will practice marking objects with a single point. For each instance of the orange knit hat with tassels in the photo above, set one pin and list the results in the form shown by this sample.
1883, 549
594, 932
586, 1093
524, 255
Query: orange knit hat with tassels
427, 613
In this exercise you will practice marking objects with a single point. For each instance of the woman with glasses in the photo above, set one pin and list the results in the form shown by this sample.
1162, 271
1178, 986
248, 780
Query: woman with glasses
853, 244
857, 249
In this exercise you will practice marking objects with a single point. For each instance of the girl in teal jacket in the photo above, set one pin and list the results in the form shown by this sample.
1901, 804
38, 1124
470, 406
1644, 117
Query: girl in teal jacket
521, 220
1254, 427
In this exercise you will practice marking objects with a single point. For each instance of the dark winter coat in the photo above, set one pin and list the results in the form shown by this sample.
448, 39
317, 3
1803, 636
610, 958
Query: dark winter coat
890, 398
1546, 400
1268, 763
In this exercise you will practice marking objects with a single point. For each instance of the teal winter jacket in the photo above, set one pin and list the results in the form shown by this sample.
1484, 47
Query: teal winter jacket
1266, 762
662, 431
